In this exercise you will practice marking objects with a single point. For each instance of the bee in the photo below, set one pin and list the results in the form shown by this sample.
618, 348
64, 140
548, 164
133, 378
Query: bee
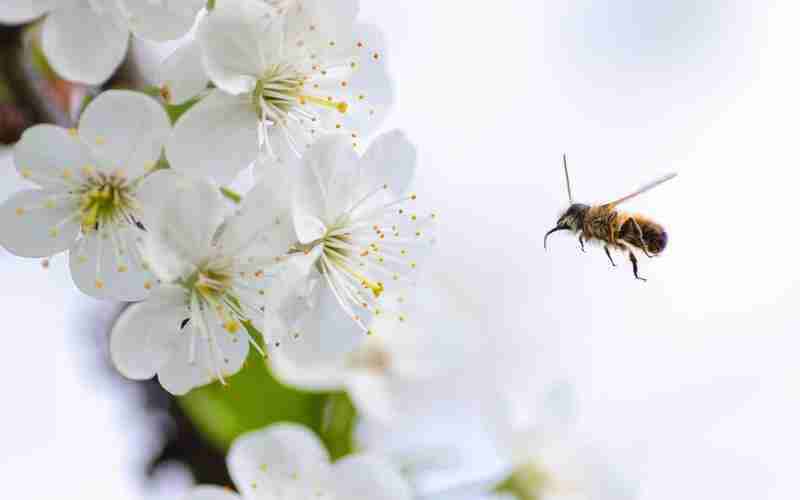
617, 230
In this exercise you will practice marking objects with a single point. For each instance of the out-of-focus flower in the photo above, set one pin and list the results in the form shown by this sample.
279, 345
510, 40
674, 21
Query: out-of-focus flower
403, 366
212, 269
91, 55
549, 460
283, 77
357, 237
288, 462
90, 199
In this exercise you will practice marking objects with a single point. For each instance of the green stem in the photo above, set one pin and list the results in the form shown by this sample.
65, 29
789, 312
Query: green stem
231, 195
210, 5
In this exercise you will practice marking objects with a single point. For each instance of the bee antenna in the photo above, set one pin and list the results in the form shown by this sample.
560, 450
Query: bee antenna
566, 174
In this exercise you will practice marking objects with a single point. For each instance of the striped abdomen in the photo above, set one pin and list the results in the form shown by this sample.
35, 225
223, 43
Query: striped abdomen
652, 236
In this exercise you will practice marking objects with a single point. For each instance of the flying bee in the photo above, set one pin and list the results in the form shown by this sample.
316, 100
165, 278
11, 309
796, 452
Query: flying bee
616, 230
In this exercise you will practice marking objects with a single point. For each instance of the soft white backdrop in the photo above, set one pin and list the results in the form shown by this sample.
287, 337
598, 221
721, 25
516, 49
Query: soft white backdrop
690, 379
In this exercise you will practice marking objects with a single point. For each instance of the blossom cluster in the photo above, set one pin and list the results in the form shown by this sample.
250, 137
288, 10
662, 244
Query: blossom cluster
267, 217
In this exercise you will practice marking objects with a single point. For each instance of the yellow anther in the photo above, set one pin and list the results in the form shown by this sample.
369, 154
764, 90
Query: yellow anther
122, 269
26, 173
148, 285
20, 211
49, 204
73, 132
67, 173
232, 326
99, 284
87, 170
100, 140
54, 232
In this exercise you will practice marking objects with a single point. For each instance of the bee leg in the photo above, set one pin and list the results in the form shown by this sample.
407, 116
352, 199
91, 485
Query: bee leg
605, 247
635, 266
581, 241
640, 235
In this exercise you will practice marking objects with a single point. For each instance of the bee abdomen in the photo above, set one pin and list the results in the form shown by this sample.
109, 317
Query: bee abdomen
653, 236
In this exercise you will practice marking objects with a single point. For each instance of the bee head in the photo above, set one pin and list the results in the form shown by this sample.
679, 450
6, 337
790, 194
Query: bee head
571, 220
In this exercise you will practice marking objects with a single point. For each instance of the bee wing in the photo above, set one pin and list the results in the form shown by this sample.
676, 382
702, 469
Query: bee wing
647, 187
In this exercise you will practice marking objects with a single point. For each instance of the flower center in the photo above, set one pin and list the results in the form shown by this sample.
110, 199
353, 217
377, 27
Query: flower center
284, 88
337, 248
212, 289
104, 199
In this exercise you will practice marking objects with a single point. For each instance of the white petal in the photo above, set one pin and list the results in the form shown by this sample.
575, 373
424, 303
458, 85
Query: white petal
329, 376
119, 274
220, 354
369, 92
159, 21
35, 224
319, 22
46, 154
362, 477
211, 493
217, 137
126, 130
370, 80
344, 179
324, 334
320, 165
308, 228
84, 46
372, 395
278, 455
145, 334
22, 11
391, 159
289, 295
231, 38
263, 225
189, 221
183, 75
156, 189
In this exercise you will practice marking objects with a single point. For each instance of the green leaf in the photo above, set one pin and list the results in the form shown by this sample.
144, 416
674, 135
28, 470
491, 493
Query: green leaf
253, 399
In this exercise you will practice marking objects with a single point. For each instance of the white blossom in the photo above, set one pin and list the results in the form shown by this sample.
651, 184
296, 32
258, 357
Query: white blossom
288, 462
358, 235
284, 76
90, 198
212, 268
86, 40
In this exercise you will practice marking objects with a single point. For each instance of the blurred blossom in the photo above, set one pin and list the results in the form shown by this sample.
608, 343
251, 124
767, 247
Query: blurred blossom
403, 368
289, 462
91, 55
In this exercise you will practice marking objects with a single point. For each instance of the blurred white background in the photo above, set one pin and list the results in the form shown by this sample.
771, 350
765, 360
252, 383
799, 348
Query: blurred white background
689, 378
